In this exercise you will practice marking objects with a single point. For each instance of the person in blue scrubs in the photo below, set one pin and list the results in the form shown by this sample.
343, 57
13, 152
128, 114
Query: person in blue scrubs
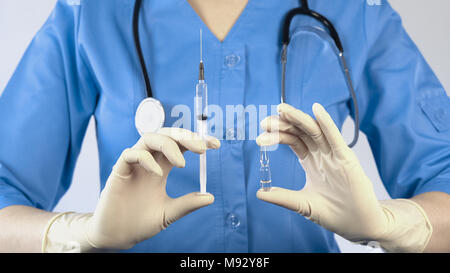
83, 63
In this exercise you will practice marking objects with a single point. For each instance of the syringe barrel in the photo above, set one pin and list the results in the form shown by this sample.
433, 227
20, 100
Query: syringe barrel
201, 130
201, 101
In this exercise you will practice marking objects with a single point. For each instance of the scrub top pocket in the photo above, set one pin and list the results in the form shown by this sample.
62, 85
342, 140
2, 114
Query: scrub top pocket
313, 70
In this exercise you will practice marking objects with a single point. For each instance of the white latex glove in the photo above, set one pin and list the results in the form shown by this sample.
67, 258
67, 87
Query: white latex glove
134, 205
338, 195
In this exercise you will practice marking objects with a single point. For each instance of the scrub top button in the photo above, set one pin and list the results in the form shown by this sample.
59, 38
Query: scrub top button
233, 221
230, 134
239, 135
232, 60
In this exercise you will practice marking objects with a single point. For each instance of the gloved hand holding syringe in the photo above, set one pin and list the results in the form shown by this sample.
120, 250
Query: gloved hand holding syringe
201, 114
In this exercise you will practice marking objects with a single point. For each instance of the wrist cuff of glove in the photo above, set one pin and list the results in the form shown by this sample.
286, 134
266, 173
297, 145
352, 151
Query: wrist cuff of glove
66, 233
411, 230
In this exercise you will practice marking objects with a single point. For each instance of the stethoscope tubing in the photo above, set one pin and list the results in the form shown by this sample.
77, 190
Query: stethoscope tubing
137, 44
302, 10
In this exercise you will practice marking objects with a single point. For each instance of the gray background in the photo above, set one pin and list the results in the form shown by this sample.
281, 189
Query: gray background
427, 22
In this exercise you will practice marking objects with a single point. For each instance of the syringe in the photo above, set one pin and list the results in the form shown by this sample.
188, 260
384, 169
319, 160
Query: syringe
201, 114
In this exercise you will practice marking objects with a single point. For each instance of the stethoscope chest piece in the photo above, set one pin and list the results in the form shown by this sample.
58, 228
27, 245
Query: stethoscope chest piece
149, 116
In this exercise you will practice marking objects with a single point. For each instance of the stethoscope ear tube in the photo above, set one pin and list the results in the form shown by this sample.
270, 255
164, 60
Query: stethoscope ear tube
322, 19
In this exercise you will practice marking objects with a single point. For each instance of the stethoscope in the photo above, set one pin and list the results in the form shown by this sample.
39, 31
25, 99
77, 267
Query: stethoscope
150, 114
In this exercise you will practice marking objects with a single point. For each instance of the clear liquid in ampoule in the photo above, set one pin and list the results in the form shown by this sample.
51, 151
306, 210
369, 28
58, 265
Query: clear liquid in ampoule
265, 176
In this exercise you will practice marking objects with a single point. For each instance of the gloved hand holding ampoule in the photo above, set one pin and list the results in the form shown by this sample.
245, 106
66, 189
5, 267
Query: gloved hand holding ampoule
134, 205
338, 195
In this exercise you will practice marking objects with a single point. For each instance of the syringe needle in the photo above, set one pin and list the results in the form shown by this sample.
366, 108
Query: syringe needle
201, 45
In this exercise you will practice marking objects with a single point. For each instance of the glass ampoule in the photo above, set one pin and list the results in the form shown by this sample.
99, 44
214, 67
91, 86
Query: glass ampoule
265, 175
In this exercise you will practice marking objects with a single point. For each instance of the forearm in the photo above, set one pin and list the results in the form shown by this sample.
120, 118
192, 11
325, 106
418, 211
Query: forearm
437, 207
22, 228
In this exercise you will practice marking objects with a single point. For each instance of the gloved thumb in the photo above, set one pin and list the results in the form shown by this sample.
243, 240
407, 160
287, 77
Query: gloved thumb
186, 204
297, 201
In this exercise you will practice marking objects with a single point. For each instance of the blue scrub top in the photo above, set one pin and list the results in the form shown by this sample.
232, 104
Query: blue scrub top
83, 63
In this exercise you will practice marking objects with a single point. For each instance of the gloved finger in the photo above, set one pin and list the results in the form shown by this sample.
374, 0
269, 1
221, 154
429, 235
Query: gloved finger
189, 140
297, 201
164, 144
299, 119
181, 206
331, 132
305, 123
296, 144
275, 124
212, 142
130, 157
